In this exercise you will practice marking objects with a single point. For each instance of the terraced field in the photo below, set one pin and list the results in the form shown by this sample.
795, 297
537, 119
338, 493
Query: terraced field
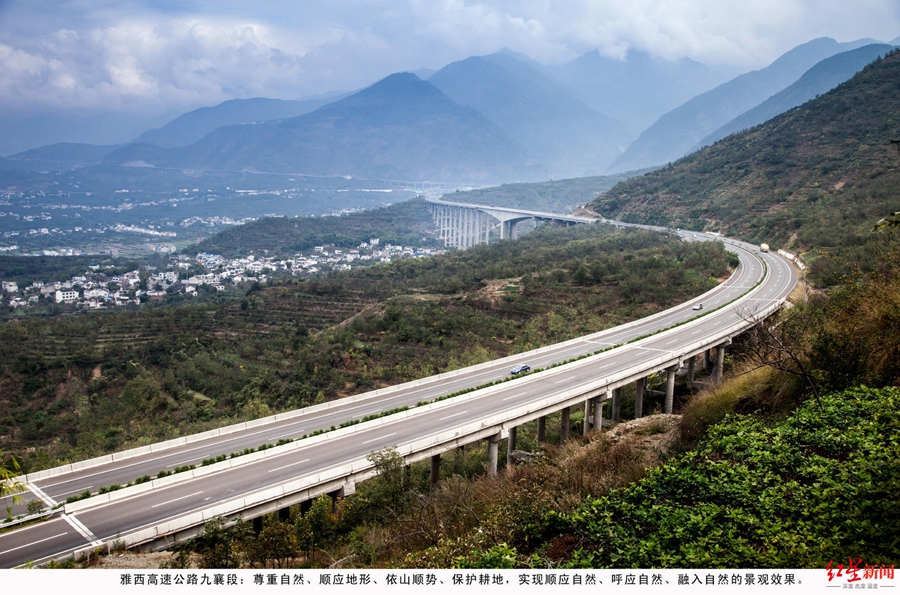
95, 336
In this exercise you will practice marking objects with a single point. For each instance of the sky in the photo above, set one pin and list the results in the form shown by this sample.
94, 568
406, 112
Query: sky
169, 55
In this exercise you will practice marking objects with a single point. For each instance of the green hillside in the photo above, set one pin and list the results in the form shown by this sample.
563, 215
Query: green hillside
404, 223
814, 177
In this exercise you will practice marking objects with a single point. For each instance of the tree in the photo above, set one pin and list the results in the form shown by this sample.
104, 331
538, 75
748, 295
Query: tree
217, 544
316, 526
784, 342
278, 543
8, 483
387, 489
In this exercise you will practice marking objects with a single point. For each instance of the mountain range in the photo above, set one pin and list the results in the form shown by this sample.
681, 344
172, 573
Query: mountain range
816, 176
194, 125
399, 128
677, 131
821, 78
486, 119
639, 88
565, 136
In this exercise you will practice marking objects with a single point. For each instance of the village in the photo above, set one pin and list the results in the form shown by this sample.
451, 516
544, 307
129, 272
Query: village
189, 275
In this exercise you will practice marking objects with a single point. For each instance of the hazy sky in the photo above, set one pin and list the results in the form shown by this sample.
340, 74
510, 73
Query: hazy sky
134, 54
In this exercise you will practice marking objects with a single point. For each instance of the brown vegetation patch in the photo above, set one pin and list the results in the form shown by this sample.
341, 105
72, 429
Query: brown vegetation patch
585, 211
496, 290
136, 561
650, 436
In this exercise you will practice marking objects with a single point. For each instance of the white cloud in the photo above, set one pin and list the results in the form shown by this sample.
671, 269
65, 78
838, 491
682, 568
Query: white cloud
146, 55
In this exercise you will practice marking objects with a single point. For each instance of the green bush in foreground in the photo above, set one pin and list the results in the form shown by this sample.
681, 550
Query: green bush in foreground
821, 485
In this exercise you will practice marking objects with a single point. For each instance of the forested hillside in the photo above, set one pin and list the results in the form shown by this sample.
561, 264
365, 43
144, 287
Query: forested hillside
815, 177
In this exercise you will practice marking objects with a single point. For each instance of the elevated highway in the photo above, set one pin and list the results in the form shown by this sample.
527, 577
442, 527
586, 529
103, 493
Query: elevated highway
159, 512
463, 225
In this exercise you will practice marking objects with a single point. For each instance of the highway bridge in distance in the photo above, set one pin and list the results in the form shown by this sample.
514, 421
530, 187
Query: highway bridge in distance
155, 514
463, 225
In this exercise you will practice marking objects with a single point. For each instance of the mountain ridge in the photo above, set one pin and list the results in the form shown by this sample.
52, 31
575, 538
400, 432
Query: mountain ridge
398, 128
192, 126
675, 132
819, 79
555, 128
816, 176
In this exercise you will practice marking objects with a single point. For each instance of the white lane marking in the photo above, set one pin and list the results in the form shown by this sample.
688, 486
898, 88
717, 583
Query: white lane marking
564, 380
381, 438
673, 341
44, 497
79, 526
514, 396
454, 415
697, 331
230, 438
177, 499
286, 466
653, 349
34, 543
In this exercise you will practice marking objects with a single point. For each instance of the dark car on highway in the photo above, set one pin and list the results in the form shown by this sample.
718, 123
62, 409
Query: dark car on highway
520, 369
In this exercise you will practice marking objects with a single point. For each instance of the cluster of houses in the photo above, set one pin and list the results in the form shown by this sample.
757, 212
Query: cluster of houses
92, 289
187, 275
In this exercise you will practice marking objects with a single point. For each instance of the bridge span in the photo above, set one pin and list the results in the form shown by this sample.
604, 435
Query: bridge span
463, 225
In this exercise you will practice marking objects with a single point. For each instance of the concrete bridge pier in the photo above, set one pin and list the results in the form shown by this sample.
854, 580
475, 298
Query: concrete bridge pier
284, 514
542, 429
598, 413
305, 506
587, 417
639, 385
564, 426
493, 448
510, 445
508, 230
720, 363
670, 388
616, 404
435, 470
257, 525
335, 496
690, 374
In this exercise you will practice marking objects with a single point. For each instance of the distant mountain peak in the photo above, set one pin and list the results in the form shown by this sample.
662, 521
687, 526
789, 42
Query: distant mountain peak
403, 87
400, 127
